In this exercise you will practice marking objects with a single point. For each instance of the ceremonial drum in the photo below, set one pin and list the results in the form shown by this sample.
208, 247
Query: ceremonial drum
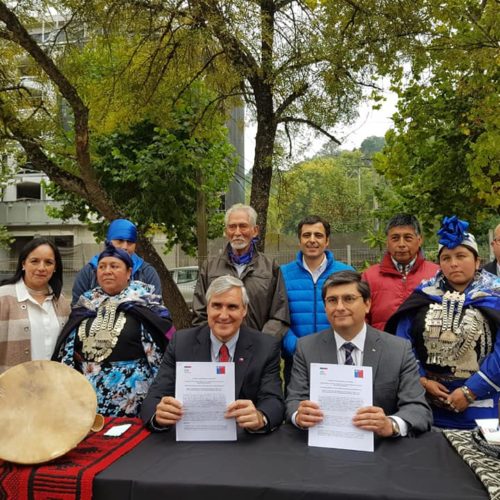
46, 409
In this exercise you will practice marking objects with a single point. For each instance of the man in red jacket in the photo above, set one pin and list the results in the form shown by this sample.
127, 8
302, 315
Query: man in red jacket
401, 270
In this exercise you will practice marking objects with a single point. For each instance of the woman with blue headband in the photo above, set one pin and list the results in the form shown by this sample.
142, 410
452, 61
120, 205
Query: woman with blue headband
116, 336
121, 234
453, 322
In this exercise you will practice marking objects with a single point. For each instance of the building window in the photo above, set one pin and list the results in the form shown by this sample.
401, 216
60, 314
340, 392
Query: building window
29, 190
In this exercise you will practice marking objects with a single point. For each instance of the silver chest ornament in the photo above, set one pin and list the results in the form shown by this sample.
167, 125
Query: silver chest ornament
103, 335
451, 335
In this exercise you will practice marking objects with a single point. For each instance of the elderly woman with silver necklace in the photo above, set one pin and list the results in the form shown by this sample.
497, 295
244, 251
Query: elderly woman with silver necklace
116, 336
453, 322
32, 307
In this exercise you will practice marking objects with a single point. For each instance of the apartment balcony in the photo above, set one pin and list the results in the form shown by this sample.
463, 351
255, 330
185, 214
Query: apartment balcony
29, 212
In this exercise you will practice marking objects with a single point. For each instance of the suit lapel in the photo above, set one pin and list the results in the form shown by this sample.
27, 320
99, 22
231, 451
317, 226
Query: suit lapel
373, 350
201, 349
242, 359
328, 348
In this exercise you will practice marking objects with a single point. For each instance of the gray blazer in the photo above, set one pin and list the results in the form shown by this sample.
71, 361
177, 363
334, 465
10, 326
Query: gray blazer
396, 385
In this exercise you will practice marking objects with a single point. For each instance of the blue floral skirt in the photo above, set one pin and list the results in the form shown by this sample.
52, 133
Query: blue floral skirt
120, 386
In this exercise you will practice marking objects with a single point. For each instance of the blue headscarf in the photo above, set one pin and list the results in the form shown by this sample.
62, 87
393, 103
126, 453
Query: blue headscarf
122, 229
111, 251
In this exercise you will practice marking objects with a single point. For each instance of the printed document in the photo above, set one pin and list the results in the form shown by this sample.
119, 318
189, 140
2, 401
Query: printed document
205, 390
489, 429
340, 390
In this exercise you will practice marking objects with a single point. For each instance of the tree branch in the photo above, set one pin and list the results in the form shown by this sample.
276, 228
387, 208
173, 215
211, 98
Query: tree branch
290, 145
310, 123
42, 163
244, 62
80, 111
197, 75
290, 99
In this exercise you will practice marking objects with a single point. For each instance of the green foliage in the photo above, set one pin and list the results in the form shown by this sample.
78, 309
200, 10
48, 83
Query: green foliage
329, 148
443, 156
6, 238
118, 111
372, 145
153, 174
6, 174
306, 64
157, 133
376, 239
340, 189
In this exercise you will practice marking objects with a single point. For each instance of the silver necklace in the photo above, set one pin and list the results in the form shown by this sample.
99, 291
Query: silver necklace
38, 293
99, 342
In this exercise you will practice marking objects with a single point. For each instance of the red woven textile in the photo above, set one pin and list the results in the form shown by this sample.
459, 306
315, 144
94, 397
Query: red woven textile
70, 477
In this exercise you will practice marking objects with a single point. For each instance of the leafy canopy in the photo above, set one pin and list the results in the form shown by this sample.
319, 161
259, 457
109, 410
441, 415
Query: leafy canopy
443, 156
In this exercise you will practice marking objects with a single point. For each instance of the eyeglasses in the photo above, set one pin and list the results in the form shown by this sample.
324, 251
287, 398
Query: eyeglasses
347, 300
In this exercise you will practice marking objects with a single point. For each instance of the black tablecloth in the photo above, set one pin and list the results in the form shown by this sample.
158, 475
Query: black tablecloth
282, 466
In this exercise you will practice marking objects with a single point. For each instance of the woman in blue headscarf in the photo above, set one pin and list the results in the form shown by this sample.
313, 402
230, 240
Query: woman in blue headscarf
121, 234
116, 336
453, 323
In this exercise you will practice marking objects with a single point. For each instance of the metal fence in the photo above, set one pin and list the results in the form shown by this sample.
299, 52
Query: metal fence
360, 258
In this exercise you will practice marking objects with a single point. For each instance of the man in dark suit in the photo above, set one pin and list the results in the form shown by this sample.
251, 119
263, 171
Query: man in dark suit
399, 405
259, 405
493, 267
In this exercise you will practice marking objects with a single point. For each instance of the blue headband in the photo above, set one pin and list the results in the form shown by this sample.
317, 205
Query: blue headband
111, 251
122, 229
453, 232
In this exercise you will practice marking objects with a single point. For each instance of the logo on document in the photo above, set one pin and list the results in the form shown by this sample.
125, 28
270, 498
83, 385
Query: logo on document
323, 370
220, 370
358, 373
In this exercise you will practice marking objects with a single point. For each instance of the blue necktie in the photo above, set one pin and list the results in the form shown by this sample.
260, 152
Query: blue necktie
348, 348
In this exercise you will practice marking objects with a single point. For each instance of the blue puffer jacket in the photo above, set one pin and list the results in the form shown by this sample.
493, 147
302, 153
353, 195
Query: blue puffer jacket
307, 311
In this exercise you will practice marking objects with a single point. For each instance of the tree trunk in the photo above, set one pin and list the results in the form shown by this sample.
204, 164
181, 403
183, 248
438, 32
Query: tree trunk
263, 170
201, 221
172, 297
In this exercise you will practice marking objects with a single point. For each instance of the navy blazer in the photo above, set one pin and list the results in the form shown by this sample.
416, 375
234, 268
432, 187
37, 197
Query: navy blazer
491, 267
257, 370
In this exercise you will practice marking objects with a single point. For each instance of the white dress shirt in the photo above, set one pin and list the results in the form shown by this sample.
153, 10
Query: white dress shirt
318, 271
44, 325
215, 345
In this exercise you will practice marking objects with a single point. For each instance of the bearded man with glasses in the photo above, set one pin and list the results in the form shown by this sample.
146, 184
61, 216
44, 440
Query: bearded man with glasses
399, 405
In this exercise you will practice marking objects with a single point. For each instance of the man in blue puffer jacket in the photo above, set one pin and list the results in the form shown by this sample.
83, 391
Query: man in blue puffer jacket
304, 280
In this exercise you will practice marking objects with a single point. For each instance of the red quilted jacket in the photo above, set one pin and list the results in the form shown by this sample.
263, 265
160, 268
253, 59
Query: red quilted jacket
389, 288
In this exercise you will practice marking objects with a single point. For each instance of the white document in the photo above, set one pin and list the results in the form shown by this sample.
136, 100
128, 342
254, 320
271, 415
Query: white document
489, 429
340, 390
205, 390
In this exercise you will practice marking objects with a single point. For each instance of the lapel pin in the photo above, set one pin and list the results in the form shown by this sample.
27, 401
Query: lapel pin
374, 350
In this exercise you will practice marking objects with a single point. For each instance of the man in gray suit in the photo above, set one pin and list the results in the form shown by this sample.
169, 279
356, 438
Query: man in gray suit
399, 405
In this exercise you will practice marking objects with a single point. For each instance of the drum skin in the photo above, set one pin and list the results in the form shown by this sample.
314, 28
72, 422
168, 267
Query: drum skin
46, 409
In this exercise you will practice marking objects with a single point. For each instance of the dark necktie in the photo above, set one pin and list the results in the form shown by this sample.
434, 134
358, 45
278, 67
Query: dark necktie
348, 348
223, 354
